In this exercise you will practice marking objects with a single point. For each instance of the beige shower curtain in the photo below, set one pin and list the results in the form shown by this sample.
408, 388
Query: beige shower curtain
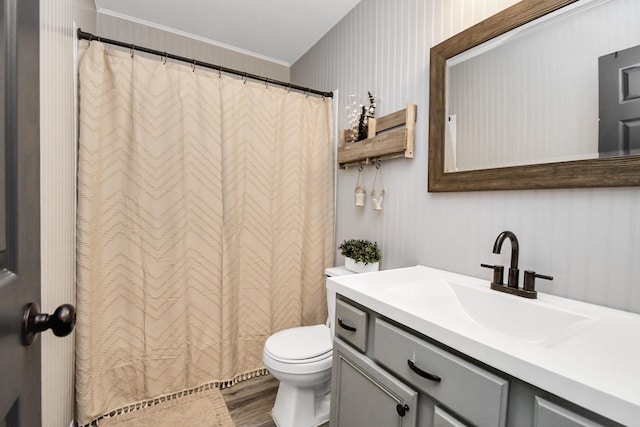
205, 221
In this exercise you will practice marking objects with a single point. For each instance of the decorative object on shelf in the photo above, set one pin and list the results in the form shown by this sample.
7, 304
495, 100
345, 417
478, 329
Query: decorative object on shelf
359, 117
388, 136
361, 191
377, 196
361, 256
352, 133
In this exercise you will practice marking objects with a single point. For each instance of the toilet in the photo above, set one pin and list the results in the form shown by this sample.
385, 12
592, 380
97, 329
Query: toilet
300, 358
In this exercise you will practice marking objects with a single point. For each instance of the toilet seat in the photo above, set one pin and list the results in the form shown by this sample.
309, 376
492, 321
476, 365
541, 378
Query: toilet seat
305, 344
301, 350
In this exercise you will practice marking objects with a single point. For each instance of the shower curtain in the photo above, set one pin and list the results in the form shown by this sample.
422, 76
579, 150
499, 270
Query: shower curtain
205, 221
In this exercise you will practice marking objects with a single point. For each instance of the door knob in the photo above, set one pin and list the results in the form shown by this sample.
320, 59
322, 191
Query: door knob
61, 322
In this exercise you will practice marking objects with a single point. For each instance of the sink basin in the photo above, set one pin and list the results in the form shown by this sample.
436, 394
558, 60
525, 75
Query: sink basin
533, 321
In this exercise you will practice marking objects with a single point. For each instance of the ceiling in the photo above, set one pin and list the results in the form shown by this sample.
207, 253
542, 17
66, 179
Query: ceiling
276, 30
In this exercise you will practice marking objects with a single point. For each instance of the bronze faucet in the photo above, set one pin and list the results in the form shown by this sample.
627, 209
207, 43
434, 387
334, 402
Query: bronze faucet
528, 290
512, 278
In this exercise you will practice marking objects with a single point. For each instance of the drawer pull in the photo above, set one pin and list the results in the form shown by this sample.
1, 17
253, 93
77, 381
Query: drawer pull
422, 373
345, 326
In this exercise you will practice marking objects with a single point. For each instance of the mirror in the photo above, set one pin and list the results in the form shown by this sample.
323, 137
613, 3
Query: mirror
460, 159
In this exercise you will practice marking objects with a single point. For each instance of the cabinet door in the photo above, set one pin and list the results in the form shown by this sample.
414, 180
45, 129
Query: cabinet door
550, 414
364, 395
443, 419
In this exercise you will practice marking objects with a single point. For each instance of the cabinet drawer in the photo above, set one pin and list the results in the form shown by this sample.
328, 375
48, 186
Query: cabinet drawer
351, 325
468, 390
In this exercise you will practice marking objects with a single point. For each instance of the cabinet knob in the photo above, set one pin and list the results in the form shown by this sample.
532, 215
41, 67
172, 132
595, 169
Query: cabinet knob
402, 409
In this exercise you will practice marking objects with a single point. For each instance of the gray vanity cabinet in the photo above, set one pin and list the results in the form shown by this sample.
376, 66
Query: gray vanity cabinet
363, 395
374, 385
385, 374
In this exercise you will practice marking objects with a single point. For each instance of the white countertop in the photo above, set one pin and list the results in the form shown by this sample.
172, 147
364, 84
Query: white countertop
595, 364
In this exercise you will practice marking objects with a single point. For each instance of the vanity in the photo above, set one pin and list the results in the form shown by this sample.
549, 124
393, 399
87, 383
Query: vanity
420, 346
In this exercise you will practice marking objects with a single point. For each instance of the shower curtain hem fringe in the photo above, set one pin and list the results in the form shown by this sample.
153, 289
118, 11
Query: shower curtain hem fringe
176, 395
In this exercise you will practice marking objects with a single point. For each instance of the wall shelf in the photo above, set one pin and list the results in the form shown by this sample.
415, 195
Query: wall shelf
389, 136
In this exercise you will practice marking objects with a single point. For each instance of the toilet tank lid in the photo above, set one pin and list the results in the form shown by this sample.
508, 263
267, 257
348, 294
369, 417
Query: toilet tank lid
304, 342
337, 271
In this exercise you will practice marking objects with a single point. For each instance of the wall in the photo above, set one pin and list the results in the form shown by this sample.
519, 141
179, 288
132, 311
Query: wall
115, 27
85, 15
588, 239
57, 202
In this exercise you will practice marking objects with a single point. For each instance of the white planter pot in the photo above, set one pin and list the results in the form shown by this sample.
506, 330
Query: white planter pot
359, 267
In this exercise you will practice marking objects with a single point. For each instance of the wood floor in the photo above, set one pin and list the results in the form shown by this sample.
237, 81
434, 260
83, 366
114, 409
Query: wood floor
250, 402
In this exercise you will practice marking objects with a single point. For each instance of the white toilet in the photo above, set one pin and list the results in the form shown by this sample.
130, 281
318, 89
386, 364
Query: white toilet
300, 358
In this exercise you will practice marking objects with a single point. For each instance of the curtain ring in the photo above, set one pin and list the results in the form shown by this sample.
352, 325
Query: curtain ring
220, 72
266, 85
308, 93
288, 89
193, 67
164, 59
90, 38
132, 49
244, 79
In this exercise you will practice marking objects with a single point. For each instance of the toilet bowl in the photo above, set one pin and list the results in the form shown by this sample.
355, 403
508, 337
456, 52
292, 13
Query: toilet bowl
300, 358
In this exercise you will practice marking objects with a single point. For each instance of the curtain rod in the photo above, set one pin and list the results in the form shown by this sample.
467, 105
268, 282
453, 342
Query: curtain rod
88, 36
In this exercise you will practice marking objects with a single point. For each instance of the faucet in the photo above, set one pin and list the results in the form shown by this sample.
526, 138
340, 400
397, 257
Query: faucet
528, 289
512, 278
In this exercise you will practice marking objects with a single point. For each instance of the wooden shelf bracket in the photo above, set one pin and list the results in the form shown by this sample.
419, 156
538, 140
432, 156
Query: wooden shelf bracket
392, 135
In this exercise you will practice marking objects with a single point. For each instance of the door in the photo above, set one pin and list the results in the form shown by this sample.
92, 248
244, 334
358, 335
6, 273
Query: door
364, 395
19, 210
619, 103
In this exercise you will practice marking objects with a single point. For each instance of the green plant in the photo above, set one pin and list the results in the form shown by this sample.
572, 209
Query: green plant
362, 251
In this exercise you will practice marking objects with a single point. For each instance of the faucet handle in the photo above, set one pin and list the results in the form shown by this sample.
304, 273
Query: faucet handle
530, 278
498, 273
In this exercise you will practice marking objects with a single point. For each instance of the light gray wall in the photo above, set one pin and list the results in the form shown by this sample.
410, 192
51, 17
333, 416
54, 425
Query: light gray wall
114, 27
85, 15
58, 195
588, 239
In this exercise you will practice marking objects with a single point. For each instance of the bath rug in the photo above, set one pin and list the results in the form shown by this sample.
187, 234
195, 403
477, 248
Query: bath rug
206, 409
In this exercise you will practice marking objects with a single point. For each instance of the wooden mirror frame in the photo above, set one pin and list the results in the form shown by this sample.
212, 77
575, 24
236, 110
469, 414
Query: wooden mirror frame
622, 171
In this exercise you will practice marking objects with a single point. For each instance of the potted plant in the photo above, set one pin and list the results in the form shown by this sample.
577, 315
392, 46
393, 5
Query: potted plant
361, 256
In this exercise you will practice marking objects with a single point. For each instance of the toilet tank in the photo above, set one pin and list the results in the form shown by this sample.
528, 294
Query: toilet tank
331, 295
